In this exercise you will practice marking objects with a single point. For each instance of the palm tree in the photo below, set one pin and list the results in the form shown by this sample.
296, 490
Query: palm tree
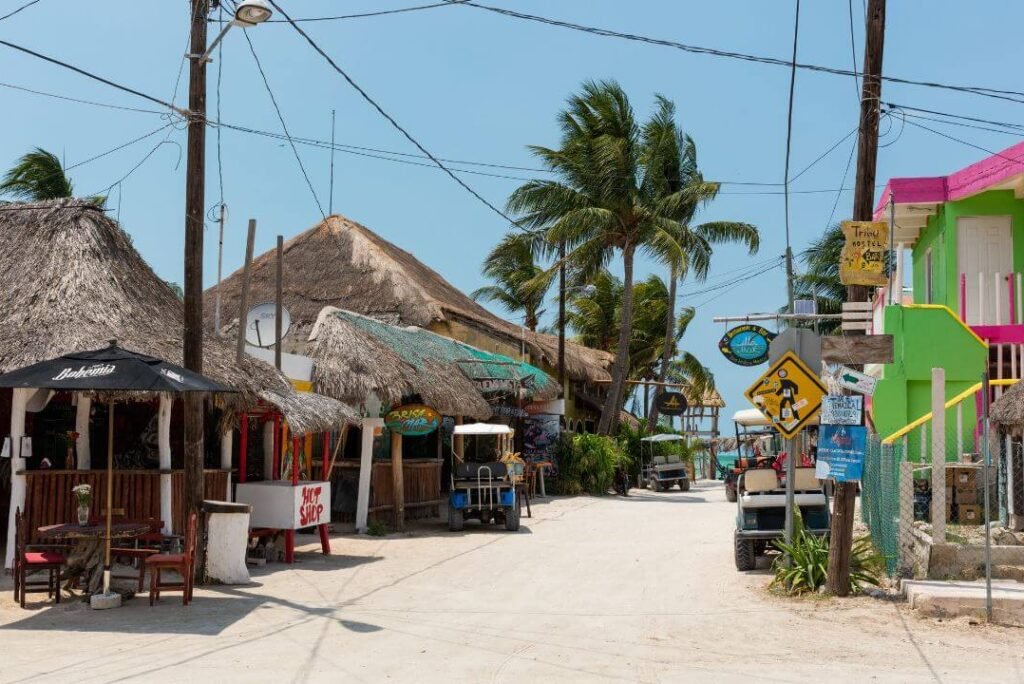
593, 312
678, 188
512, 266
39, 176
597, 205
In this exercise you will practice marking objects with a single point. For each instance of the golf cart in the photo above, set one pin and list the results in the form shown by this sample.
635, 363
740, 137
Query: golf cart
757, 445
661, 473
761, 511
484, 487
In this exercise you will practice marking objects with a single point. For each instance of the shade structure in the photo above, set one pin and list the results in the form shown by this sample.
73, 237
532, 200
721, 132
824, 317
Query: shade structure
109, 370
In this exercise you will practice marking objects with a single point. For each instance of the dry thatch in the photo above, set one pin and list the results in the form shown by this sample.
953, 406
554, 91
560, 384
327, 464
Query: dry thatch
71, 280
350, 362
343, 264
308, 412
710, 399
1009, 408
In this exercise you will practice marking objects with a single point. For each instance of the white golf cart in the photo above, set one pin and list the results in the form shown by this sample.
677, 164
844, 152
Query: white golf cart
483, 483
661, 473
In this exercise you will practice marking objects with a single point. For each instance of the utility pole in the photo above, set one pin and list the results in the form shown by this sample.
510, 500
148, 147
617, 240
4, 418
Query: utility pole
330, 196
195, 202
838, 579
220, 265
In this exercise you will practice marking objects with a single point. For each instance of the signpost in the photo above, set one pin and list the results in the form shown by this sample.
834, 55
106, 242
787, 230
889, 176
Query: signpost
841, 451
789, 394
862, 261
842, 410
746, 345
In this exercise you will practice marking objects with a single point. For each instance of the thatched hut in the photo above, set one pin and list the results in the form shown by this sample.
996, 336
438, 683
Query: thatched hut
341, 263
70, 280
1008, 410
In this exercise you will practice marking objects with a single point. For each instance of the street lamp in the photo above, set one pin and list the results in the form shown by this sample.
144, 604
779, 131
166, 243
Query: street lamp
249, 13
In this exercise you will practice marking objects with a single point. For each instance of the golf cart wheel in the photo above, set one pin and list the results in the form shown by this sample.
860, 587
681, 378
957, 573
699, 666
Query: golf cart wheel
684, 485
512, 516
653, 485
745, 557
730, 494
455, 519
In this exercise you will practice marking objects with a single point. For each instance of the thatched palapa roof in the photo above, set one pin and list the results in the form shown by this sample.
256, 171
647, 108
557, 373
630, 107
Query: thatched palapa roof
1009, 409
343, 264
70, 280
355, 355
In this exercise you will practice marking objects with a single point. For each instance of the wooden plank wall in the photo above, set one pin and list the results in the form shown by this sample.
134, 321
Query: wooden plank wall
49, 499
422, 484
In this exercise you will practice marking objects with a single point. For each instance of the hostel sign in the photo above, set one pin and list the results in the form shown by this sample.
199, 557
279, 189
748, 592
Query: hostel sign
862, 261
789, 395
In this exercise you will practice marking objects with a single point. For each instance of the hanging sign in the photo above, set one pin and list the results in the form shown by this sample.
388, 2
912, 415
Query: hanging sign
862, 261
788, 394
856, 381
841, 451
838, 409
494, 384
412, 420
670, 403
746, 345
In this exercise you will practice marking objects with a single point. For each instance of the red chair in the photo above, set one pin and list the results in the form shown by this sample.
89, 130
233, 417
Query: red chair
182, 563
145, 545
34, 558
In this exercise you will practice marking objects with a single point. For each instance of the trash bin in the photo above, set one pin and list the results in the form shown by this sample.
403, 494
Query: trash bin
227, 536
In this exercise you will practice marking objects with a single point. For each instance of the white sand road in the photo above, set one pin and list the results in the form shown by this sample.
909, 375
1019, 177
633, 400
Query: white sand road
592, 589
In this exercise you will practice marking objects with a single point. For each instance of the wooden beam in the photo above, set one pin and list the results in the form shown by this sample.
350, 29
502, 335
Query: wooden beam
398, 481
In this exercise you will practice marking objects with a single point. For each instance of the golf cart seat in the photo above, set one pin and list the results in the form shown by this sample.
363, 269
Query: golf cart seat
674, 458
760, 480
658, 460
763, 491
805, 481
472, 471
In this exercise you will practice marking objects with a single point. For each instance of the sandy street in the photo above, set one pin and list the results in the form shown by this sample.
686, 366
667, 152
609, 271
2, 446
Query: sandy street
638, 589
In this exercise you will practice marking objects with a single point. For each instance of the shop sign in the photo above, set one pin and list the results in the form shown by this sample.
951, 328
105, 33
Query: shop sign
841, 452
670, 403
862, 261
838, 409
746, 345
412, 420
495, 384
509, 411
554, 407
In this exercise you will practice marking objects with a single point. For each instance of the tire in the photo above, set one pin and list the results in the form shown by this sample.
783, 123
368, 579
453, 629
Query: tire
512, 516
653, 485
684, 485
744, 550
730, 494
456, 520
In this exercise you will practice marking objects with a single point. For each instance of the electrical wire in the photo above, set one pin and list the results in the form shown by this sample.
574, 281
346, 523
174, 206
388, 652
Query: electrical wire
789, 140
723, 292
106, 105
93, 76
853, 53
363, 15
1010, 95
973, 119
220, 71
142, 161
824, 154
968, 144
23, 7
284, 126
392, 121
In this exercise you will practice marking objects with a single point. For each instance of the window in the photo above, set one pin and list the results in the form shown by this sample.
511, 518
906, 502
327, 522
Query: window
928, 277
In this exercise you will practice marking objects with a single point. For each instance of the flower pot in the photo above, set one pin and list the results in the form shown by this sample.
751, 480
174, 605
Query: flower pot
83, 515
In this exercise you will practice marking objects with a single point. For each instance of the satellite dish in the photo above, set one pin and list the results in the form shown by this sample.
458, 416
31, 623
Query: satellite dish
260, 325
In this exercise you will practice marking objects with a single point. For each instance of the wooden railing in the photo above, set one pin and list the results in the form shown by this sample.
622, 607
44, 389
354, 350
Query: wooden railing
421, 484
49, 499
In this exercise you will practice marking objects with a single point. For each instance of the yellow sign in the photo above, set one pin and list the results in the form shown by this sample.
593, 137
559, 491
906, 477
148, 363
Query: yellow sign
788, 394
862, 261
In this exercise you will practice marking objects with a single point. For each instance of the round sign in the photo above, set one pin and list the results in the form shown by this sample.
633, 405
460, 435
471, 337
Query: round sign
746, 345
412, 420
671, 403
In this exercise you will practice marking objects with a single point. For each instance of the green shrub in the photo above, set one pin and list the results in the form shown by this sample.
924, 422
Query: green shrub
376, 528
586, 464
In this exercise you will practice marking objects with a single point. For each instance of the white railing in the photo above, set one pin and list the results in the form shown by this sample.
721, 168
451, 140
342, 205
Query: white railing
991, 299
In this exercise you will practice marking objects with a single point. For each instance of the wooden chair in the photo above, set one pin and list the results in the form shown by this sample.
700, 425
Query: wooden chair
147, 544
34, 558
182, 563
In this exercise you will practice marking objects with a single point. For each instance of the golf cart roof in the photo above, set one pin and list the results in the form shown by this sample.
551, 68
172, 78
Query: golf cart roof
754, 418
666, 437
483, 429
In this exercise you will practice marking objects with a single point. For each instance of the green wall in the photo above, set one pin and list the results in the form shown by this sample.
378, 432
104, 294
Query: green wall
940, 236
904, 392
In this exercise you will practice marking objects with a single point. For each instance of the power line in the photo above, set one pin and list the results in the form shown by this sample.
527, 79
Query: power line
1011, 95
23, 7
141, 162
363, 15
106, 105
968, 144
953, 116
736, 284
94, 77
284, 126
391, 119
853, 54
822, 155
785, 174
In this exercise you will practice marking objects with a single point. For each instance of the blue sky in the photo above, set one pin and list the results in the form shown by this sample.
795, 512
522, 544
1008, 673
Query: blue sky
472, 85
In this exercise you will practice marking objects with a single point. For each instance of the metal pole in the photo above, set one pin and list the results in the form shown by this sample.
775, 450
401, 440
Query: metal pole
984, 479
893, 285
790, 477
220, 267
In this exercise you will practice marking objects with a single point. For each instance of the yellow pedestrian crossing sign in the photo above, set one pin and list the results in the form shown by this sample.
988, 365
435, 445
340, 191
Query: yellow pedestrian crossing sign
789, 394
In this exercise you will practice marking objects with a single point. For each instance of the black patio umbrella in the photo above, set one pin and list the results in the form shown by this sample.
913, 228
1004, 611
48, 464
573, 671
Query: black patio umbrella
111, 369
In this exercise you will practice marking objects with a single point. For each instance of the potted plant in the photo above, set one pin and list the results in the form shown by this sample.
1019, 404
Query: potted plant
83, 493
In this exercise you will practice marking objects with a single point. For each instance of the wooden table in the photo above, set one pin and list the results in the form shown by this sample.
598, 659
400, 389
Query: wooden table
87, 554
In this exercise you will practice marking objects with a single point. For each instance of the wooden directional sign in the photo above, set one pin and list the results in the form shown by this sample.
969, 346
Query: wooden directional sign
789, 394
857, 381
857, 350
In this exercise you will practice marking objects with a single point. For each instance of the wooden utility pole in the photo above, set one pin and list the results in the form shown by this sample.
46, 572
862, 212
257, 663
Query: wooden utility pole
195, 208
243, 307
279, 303
838, 580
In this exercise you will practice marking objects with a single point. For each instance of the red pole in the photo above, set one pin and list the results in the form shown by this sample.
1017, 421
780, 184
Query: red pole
295, 460
243, 445
276, 474
325, 538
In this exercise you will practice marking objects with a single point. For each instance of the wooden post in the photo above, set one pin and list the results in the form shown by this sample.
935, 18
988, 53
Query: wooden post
243, 307
296, 440
365, 471
397, 480
279, 303
275, 471
243, 446
325, 475
838, 579
307, 450
938, 456
19, 401
269, 447
226, 447
163, 441
458, 441
906, 508
83, 412
195, 209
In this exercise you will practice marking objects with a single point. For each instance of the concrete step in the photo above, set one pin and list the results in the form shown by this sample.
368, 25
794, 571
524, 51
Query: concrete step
955, 599
1008, 572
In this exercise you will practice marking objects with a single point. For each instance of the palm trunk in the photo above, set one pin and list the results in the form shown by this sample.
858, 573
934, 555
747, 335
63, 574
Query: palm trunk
613, 402
666, 353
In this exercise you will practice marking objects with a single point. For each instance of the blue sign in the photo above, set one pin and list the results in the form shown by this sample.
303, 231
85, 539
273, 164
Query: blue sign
841, 451
746, 345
